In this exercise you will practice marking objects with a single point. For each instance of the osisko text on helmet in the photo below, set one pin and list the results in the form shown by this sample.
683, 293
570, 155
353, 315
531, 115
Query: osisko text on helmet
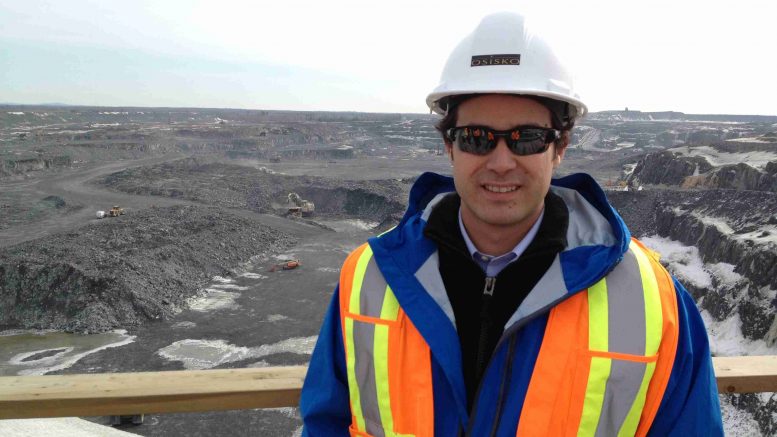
486, 60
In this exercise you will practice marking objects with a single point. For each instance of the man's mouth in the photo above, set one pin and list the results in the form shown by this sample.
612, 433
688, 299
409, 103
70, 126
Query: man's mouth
500, 188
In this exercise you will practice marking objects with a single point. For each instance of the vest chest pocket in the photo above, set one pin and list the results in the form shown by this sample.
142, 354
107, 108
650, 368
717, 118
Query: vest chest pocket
614, 391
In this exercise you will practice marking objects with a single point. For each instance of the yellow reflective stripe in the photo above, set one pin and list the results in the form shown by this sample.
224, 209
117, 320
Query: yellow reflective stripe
382, 377
598, 318
390, 307
358, 278
654, 319
598, 340
594, 395
631, 423
388, 311
353, 385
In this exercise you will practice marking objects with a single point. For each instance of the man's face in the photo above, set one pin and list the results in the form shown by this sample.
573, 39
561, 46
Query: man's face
502, 189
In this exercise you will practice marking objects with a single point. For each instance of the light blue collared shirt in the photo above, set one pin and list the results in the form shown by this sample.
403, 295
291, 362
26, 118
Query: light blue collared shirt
492, 264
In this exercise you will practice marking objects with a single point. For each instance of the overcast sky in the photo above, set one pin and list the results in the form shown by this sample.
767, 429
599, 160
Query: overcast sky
690, 56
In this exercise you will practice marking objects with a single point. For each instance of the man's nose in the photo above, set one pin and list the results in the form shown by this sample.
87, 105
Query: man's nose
501, 159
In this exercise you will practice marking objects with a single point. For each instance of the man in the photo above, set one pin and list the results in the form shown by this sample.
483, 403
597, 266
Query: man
504, 303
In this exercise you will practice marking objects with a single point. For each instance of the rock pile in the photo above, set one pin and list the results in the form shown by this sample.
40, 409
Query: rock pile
261, 190
127, 270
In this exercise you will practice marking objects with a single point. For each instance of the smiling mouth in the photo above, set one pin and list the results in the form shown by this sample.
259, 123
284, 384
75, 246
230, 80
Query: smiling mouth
500, 189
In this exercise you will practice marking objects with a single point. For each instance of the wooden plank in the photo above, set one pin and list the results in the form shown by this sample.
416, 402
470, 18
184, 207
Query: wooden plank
754, 374
230, 389
149, 392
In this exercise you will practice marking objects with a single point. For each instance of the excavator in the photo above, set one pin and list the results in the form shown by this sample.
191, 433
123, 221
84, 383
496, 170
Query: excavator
299, 206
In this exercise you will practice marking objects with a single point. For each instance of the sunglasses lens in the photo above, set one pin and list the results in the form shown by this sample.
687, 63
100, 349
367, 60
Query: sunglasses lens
473, 140
528, 142
529, 147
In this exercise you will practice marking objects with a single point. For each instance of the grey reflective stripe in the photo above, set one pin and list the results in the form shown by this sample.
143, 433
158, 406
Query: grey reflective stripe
622, 385
626, 334
587, 226
626, 308
429, 277
430, 206
373, 290
550, 288
364, 341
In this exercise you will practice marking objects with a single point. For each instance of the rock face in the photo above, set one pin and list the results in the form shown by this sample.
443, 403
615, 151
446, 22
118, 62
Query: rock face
26, 165
763, 406
733, 227
123, 271
726, 226
672, 168
737, 177
351, 201
667, 168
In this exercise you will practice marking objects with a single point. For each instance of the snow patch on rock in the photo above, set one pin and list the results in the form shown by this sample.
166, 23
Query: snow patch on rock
756, 159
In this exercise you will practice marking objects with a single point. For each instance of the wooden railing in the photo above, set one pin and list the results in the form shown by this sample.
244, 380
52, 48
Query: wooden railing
231, 389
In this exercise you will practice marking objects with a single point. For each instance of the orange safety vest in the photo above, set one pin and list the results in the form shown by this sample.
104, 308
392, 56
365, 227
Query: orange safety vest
602, 369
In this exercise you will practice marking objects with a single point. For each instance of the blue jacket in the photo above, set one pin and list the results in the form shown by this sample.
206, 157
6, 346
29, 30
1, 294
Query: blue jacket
690, 405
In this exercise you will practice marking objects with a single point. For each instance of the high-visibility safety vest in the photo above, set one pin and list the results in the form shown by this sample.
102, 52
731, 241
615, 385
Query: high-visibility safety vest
602, 368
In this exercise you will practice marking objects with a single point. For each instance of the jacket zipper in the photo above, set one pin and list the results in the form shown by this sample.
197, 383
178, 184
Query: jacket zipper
485, 325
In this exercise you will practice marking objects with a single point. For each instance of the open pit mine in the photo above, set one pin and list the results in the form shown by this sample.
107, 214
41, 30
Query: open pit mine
235, 224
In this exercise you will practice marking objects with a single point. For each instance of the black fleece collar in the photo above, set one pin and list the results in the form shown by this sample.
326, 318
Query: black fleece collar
443, 226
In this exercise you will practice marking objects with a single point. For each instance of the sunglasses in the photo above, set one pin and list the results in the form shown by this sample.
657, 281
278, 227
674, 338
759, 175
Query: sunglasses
521, 140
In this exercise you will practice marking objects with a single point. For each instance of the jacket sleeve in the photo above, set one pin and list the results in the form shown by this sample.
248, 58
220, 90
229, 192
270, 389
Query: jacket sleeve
324, 403
690, 405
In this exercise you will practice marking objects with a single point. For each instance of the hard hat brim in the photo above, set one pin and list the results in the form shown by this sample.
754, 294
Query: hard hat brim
435, 98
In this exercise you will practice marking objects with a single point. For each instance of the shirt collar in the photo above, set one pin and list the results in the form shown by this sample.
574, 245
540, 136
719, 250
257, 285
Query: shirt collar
517, 250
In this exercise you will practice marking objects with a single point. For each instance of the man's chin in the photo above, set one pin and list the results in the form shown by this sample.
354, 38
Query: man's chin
501, 220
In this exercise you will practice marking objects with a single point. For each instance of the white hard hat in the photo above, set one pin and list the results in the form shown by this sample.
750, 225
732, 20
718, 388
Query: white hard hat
503, 56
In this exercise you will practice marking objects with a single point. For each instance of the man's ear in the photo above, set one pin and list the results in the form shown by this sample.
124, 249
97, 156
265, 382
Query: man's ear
449, 150
560, 154
559, 148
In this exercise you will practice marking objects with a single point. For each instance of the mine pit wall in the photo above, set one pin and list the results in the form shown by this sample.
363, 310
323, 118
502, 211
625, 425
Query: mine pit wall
757, 263
26, 165
666, 168
738, 177
351, 202
675, 214
695, 172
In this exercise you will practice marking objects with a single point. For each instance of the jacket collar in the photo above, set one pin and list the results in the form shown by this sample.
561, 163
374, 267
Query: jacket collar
443, 226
